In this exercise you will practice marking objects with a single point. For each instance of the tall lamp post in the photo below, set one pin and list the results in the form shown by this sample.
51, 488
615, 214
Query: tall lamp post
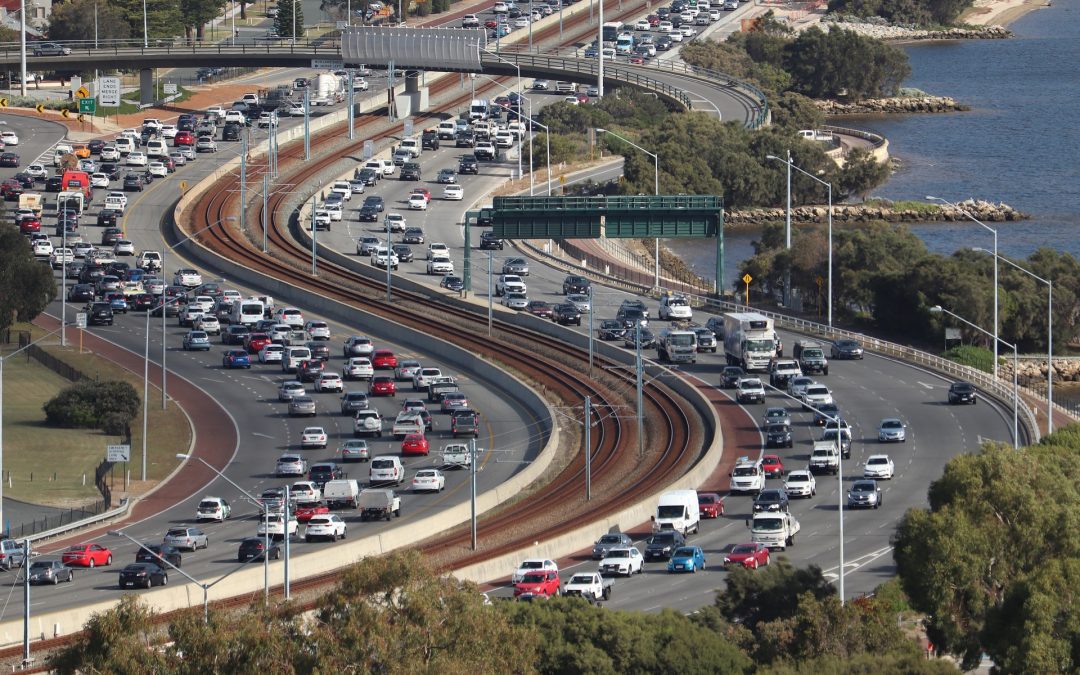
792, 165
656, 182
146, 378
1049, 336
164, 249
938, 309
787, 226
997, 327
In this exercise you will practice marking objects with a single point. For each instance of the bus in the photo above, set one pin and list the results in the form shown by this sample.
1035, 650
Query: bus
612, 30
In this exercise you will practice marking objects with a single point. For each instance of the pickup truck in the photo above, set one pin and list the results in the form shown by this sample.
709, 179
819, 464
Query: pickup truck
825, 458
811, 357
379, 505
408, 422
538, 584
782, 372
773, 529
589, 585
456, 454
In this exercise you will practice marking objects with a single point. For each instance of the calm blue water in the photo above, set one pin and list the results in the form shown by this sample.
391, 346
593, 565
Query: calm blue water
1020, 143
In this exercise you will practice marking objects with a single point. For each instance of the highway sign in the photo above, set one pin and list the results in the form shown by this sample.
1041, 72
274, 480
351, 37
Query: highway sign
40, 108
747, 278
109, 91
117, 453
325, 64
80, 320
82, 92
87, 105
169, 87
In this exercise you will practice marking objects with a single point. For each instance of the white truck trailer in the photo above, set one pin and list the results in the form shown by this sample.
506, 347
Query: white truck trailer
749, 340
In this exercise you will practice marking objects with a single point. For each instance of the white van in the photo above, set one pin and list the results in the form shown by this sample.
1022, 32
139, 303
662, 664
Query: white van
564, 87
292, 358
247, 312
677, 510
124, 144
341, 493
155, 148
386, 469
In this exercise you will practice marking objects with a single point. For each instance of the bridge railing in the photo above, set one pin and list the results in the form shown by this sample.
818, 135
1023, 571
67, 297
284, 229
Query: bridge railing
320, 46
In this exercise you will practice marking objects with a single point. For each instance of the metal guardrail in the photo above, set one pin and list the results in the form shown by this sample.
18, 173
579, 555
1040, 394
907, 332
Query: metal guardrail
80, 524
761, 116
876, 140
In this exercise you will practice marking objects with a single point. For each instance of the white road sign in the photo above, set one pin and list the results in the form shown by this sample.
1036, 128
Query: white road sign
109, 91
118, 453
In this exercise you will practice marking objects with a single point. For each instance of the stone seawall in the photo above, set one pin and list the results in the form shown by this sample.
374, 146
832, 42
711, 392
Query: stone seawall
893, 105
883, 31
883, 212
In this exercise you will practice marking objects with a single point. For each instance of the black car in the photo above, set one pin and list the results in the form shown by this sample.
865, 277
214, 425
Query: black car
91, 273
490, 242
730, 376
403, 252
133, 182
611, 329
464, 423
413, 235
110, 169
111, 235
575, 284
368, 214
566, 314
25, 180
319, 350
101, 314
452, 283
661, 545
9, 159
716, 325
231, 132
429, 140
773, 499
824, 412
54, 184
376, 201
410, 171
368, 176
81, 293
253, 548
145, 574
141, 302
847, 349
323, 472
156, 553
962, 392
235, 334
664, 43
778, 436
468, 164
108, 218
95, 146
465, 139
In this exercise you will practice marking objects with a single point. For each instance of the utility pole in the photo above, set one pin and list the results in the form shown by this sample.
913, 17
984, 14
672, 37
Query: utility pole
266, 206
243, 177
307, 124
472, 487
640, 387
588, 448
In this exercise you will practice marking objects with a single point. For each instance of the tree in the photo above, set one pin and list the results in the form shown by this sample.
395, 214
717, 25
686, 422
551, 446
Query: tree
197, 13
994, 556
26, 286
842, 62
109, 405
755, 598
284, 24
120, 640
75, 20
862, 173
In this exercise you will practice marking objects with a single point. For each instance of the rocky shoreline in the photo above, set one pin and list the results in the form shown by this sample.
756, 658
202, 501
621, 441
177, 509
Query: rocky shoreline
892, 105
1032, 371
884, 31
877, 212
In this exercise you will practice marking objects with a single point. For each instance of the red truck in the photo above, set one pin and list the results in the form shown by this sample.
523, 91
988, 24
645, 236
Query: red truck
538, 584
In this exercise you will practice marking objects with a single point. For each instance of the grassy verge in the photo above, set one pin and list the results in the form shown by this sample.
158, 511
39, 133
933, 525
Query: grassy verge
32, 446
976, 357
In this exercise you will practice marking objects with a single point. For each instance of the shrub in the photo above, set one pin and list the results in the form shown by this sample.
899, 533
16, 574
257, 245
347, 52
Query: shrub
109, 405
976, 357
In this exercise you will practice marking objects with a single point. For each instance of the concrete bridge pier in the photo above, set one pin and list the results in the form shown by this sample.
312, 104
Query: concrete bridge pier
415, 97
146, 86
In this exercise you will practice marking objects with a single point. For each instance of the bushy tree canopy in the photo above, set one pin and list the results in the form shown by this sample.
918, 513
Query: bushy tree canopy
26, 286
109, 405
74, 20
919, 12
283, 23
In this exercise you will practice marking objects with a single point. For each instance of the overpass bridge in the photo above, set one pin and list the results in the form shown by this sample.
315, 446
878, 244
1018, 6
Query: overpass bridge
679, 85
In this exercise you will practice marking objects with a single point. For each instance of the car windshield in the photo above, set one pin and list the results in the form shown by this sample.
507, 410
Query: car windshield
532, 565
744, 471
745, 548
40, 565
610, 539
768, 524
878, 460
664, 539
685, 552
581, 579
862, 487
382, 464
208, 505
533, 578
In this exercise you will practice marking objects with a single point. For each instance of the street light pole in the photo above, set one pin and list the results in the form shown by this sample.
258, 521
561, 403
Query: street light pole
1049, 336
1016, 389
145, 34
656, 183
993, 231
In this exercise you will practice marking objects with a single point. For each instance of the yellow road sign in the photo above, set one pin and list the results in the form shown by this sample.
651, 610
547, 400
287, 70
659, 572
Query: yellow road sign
183, 186
82, 118
83, 92
3, 102
66, 113
747, 278
40, 108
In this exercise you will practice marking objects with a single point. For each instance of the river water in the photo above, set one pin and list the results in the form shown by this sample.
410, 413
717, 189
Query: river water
1020, 143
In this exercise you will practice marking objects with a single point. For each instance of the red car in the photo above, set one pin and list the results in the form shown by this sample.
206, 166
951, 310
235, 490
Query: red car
29, 225
423, 191
183, 138
538, 584
491, 23
710, 505
382, 386
653, 19
86, 555
582, 97
636, 59
772, 466
415, 444
750, 556
10, 189
383, 359
308, 511
539, 308
256, 341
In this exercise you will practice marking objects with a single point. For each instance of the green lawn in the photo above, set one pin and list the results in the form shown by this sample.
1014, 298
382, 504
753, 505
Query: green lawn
32, 447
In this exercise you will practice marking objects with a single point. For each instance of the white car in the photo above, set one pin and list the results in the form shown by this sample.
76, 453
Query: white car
437, 250
453, 193
110, 153
158, 169
675, 35
9, 137
334, 209
168, 130
395, 222
797, 386
643, 25
313, 437
359, 368
417, 202
215, 111
428, 480
510, 283
687, 30
306, 492
531, 565
136, 158
816, 395
210, 324
43, 248
329, 382
325, 526
99, 180
124, 247
318, 330
624, 560
120, 198
441, 265
291, 316
36, 171
360, 84
275, 526
271, 353
879, 467
81, 249
424, 377
800, 483
321, 219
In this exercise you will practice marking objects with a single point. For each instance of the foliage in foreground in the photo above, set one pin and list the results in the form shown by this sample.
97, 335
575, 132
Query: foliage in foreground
26, 286
918, 12
109, 405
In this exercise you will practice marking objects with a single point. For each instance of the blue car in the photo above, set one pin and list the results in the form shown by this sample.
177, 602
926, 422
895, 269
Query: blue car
236, 358
118, 303
687, 559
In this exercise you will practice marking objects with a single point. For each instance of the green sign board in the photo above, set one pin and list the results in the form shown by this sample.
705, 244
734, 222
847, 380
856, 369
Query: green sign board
622, 216
87, 106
